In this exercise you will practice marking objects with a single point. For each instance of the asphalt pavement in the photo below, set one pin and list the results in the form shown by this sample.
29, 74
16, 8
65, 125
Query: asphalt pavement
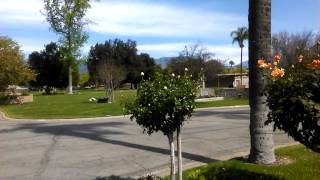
101, 147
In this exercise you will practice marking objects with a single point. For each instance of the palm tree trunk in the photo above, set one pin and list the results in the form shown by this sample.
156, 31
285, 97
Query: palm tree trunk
179, 148
172, 158
241, 68
262, 145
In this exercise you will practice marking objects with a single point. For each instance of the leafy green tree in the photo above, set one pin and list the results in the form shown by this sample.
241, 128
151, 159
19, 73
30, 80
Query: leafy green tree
163, 104
122, 55
262, 144
84, 79
66, 18
52, 70
13, 70
239, 36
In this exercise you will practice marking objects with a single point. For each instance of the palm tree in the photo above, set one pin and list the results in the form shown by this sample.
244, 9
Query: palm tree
240, 35
231, 64
262, 145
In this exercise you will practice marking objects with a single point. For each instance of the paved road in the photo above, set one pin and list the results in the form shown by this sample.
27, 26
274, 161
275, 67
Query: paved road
116, 146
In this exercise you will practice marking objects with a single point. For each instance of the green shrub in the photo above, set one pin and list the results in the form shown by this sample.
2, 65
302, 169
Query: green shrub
293, 97
164, 102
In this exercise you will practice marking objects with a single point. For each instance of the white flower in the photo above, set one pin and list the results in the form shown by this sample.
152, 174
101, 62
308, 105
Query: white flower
186, 69
165, 87
173, 74
142, 74
178, 76
149, 104
191, 75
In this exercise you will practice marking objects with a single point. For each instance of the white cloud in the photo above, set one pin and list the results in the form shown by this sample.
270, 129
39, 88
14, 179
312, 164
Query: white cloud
132, 18
19, 11
222, 52
137, 18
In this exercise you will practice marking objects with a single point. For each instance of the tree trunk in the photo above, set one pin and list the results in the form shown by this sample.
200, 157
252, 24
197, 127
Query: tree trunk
70, 78
179, 148
106, 87
241, 68
70, 62
112, 88
262, 145
172, 158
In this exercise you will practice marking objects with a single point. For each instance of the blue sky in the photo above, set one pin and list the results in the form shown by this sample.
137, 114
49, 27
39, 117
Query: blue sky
161, 28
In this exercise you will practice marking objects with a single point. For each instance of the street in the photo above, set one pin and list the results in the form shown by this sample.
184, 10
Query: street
78, 149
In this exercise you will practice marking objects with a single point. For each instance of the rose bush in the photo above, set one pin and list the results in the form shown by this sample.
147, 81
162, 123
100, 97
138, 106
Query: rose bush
293, 97
164, 103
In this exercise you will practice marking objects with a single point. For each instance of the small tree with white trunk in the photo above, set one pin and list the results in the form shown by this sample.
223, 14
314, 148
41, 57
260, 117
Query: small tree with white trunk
163, 103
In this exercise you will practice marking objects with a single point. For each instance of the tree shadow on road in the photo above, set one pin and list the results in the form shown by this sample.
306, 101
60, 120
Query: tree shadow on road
232, 115
113, 177
99, 132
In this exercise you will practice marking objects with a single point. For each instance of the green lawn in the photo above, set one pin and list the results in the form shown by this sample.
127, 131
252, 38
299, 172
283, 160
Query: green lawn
226, 102
68, 106
78, 105
305, 164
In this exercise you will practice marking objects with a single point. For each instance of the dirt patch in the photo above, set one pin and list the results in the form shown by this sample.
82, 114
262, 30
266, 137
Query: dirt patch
280, 160
283, 160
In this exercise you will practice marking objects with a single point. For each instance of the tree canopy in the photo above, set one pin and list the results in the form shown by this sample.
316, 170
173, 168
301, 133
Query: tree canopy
52, 70
119, 54
13, 70
239, 36
199, 62
66, 18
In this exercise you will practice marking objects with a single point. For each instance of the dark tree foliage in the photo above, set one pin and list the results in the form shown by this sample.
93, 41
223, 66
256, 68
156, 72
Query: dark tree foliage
197, 67
51, 69
122, 54
211, 69
199, 62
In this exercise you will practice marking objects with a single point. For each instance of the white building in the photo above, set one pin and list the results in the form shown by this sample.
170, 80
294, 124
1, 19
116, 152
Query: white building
237, 81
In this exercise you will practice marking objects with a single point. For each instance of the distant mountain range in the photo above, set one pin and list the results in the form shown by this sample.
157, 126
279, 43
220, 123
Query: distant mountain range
163, 61
83, 68
244, 64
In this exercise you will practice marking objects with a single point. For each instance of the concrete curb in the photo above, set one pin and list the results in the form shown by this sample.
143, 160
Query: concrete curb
3, 116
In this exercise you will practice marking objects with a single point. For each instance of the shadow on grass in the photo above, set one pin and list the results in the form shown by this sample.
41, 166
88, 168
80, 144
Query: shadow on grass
229, 173
113, 177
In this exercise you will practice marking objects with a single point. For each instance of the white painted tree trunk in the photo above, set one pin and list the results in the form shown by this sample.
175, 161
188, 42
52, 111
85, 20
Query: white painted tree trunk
172, 158
179, 148
70, 79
